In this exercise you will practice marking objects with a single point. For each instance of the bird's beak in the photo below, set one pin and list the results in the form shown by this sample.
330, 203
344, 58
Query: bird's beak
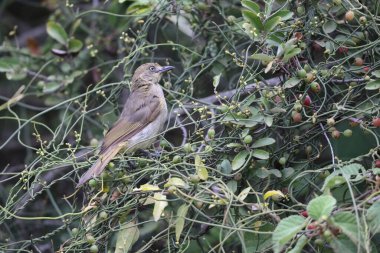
164, 69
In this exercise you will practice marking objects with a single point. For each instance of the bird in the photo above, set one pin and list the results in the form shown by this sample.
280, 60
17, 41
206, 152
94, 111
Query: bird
141, 120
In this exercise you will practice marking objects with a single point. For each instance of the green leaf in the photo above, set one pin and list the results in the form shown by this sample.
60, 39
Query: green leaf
176, 181
376, 73
232, 185
140, 8
260, 154
373, 85
240, 160
226, 167
301, 242
251, 6
126, 237
159, 205
262, 57
201, 169
284, 14
286, 230
346, 222
271, 23
321, 207
373, 218
8, 64
17, 73
253, 19
180, 222
353, 170
332, 181
329, 26
290, 83
263, 142
75, 45
343, 244
57, 32
268, 120
291, 54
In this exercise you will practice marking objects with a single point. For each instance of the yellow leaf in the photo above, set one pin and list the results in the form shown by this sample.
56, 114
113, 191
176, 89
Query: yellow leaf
201, 169
147, 187
274, 194
243, 194
180, 222
176, 181
159, 205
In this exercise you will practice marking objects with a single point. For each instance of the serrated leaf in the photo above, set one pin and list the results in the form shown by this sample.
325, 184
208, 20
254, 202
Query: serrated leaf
239, 160
159, 205
290, 83
329, 26
251, 5
56, 31
286, 230
262, 57
260, 154
321, 206
180, 222
243, 194
75, 45
373, 85
201, 169
373, 218
346, 222
353, 170
332, 181
176, 181
253, 19
126, 237
263, 142
271, 23
301, 242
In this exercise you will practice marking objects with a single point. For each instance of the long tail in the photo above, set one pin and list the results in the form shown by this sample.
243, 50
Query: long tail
100, 164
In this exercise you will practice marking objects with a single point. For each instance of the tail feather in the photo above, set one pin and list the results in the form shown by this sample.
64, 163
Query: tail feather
98, 167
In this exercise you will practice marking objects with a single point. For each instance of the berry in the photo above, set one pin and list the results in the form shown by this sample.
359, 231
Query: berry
342, 50
337, 2
350, 15
194, 179
282, 161
188, 148
309, 77
307, 101
92, 183
315, 87
74, 231
362, 20
347, 133
330, 122
377, 165
247, 139
297, 117
301, 73
376, 122
358, 61
94, 249
103, 215
304, 214
366, 69
176, 159
335, 134
90, 239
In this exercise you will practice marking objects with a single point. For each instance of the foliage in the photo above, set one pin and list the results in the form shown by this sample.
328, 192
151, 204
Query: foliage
272, 141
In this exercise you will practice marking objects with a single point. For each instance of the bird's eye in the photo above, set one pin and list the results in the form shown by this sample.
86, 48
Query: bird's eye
151, 68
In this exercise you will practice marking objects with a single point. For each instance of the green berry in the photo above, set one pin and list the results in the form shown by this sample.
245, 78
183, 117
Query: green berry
301, 73
94, 249
211, 133
74, 231
347, 133
90, 239
176, 159
93, 183
282, 161
247, 139
103, 215
188, 148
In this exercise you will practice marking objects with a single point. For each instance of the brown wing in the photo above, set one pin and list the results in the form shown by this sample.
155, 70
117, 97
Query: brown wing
138, 112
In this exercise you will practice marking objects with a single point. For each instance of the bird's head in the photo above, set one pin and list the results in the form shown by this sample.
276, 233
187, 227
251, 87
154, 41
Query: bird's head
148, 73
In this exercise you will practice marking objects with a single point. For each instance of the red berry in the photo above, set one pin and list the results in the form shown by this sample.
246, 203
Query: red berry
377, 163
366, 69
316, 47
311, 226
343, 50
297, 117
307, 101
304, 214
376, 122
335, 134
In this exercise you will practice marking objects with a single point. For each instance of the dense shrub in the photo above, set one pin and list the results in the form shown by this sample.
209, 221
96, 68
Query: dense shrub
272, 141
